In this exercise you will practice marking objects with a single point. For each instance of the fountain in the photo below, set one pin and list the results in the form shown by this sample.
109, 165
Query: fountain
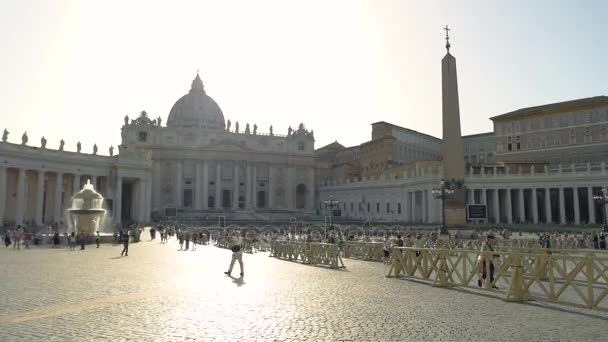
87, 210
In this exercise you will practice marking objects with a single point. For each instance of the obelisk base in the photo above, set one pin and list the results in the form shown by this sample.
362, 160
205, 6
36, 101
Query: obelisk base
455, 216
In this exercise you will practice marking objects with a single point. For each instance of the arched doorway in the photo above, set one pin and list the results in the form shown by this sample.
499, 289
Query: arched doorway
261, 199
300, 196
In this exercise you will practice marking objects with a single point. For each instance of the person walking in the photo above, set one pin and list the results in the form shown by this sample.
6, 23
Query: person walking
486, 257
237, 255
97, 238
72, 241
17, 235
386, 249
7, 238
124, 237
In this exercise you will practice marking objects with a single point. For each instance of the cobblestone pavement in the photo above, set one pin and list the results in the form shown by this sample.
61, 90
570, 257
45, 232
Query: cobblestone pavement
160, 294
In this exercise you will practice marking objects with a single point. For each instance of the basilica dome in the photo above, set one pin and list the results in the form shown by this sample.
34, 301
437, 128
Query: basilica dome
196, 109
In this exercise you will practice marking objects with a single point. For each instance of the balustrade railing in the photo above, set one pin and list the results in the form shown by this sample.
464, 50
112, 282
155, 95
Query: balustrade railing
567, 277
308, 253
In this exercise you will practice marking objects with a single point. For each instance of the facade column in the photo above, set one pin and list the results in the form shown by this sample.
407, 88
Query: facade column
179, 184
508, 206
94, 182
198, 202
271, 172
534, 206
218, 184
40, 198
562, 206
2, 193
470, 196
310, 191
205, 185
156, 191
290, 187
248, 182
58, 198
118, 200
496, 205
577, 209
235, 186
75, 183
20, 196
254, 186
591, 205
520, 206
549, 219
141, 200
424, 205
148, 212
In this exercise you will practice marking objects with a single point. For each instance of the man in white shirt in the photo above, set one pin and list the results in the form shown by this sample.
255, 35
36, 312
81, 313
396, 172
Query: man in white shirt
237, 254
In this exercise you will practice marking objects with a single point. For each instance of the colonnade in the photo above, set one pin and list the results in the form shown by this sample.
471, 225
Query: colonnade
40, 196
542, 204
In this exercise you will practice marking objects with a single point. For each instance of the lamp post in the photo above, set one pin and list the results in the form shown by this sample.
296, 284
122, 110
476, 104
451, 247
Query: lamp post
602, 199
331, 203
448, 187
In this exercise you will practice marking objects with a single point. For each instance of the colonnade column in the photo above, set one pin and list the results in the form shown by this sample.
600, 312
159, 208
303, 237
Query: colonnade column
470, 196
118, 200
58, 197
577, 212
520, 206
20, 196
218, 184
179, 183
2, 193
94, 182
534, 206
75, 183
591, 204
205, 185
235, 187
548, 205
40, 198
508, 206
496, 205
562, 206
254, 186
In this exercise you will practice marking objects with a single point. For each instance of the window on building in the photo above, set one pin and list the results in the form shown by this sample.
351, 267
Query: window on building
518, 143
388, 207
143, 136
588, 135
377, 207
352, 206
572, 136
399, 208
368, 207
509, 145
301, 146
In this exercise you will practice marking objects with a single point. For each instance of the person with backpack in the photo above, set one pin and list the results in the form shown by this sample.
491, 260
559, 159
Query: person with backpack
237, 255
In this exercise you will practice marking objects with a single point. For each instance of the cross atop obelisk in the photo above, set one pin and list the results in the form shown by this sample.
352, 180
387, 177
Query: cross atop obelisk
447, 38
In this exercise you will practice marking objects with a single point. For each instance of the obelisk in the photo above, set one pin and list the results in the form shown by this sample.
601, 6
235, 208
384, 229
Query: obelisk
453, 157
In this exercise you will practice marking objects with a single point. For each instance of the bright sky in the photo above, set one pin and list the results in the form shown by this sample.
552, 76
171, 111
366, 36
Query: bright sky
74, 69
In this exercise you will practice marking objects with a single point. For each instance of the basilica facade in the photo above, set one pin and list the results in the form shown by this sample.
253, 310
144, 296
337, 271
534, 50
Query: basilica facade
197, 164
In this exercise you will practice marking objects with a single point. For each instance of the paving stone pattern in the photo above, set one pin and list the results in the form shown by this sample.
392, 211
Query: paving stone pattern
160, 294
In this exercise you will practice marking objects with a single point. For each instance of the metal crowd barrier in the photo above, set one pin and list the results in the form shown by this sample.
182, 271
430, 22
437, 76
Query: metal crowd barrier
566, 277
308, 253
